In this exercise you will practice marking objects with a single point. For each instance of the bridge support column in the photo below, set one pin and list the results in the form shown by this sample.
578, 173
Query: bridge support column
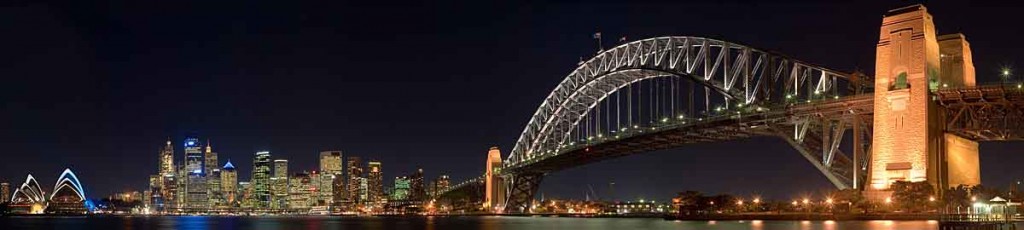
908, 143
521, 190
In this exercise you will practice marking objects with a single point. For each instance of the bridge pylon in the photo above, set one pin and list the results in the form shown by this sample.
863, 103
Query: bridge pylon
908, 142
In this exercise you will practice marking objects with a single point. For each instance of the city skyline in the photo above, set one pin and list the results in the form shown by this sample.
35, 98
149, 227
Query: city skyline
308, 107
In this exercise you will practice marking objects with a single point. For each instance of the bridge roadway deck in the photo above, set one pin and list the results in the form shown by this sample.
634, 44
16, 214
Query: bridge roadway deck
712, 129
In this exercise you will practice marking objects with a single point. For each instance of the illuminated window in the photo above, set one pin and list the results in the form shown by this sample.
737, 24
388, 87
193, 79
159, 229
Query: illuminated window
901, 81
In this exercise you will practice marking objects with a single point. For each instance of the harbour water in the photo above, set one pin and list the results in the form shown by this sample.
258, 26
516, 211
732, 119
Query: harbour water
429, 223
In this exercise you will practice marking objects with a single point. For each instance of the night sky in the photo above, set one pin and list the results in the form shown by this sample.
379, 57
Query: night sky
98, 87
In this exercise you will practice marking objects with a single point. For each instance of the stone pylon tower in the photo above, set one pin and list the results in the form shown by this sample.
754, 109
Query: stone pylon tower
494, 192
908, 142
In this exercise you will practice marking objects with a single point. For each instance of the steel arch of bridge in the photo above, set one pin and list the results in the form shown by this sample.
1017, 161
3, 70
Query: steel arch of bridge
741, 74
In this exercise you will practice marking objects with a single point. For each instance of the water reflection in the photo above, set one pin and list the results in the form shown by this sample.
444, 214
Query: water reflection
433, 223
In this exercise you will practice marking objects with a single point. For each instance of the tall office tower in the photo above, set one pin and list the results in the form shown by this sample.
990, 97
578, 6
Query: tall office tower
229, 184
261, 180
279, 185
5, 192
363, 190
212, 170
245, 196
182, 185
355, 171
197, 199
375, 182
401, 191
155, 200
314, 189
170, 192
167, 159
494, 195
442, 184
417, 190
300, 191
330, 176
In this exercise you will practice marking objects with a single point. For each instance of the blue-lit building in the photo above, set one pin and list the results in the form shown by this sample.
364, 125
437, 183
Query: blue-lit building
196, 198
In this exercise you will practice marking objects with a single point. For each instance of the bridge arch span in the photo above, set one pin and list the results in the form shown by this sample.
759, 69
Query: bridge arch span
733, 78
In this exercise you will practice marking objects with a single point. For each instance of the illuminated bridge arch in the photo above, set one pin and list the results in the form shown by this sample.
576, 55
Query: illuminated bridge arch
29, 192
742, 75
68, 182
745, 92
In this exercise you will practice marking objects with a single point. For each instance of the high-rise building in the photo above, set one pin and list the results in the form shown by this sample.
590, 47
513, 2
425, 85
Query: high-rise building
417, 189
355, 172
494, 194
197, 199
261, 180
441, 184
330, 177
229, 184
182, 186
401, 190
246, 199
375, 182
300, 190
154, 199
363, 190
279, 185
212, 170
5, 192
167, 159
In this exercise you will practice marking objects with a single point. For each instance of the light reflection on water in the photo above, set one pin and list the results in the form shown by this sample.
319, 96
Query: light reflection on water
433, 223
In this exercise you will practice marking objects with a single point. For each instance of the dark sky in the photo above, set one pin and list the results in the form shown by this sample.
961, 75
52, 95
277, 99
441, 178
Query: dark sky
99, 86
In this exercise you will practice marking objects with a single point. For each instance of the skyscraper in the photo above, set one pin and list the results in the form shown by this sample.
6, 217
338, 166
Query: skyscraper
167, 159
212, 170
417, 189
261, 180
229, 184
154, 199
355, 172
279, 185
330, 177
197, 199
246, 200
168, 184
299, 192
375, 183
441, 184
401, 191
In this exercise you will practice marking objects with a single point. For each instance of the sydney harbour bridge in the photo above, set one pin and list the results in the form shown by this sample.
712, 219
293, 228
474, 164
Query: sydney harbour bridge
668, 92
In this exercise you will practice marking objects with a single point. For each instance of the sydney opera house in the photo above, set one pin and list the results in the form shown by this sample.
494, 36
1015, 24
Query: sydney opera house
68, 196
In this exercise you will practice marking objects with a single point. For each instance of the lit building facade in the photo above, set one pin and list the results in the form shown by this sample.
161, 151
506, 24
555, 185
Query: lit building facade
494, 187
197, 198
229, 184
908, 143
331, 175
5, 192
212, 170
375, 181
261, 180
401, 190
279, 185
355, 172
